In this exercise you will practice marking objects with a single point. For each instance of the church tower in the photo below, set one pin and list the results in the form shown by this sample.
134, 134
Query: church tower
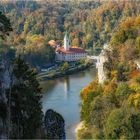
66, 42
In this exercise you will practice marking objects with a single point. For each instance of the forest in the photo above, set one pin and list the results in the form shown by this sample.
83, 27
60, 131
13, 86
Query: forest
110, 110
90, 25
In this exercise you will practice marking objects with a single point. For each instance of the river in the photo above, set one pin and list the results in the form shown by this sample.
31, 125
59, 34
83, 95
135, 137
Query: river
63, 96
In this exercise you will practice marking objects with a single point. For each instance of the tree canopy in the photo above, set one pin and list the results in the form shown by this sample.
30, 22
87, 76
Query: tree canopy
111, 110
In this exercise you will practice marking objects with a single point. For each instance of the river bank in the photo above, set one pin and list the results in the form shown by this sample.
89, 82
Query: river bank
58, 73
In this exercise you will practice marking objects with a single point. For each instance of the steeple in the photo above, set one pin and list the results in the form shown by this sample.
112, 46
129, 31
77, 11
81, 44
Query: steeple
66, 42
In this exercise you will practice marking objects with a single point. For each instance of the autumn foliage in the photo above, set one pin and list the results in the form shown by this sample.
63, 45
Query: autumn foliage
112, 110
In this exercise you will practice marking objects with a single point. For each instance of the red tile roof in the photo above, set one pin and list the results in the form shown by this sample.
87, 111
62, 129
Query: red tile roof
71, 50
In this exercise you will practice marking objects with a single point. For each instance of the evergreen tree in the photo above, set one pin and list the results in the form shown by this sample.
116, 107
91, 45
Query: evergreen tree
5, 25
26, 114
5, 28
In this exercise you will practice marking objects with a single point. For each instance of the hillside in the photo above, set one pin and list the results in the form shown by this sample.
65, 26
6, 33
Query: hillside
90, 24
112, 110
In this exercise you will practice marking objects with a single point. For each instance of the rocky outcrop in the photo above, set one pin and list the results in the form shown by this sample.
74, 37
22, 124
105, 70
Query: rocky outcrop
100, 67
54, 125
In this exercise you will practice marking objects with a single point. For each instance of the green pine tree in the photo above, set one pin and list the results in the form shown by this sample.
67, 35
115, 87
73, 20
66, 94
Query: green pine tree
26, 114
5, 26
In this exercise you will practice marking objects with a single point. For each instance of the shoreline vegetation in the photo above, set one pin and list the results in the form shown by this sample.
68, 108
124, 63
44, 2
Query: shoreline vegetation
64, 70
104, 106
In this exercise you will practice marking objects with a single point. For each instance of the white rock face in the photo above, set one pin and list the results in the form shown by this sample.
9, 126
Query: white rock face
100, 60
137, 62
100, 63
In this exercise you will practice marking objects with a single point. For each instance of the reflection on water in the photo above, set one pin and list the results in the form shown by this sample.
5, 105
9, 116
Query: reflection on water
62, 95
66, 87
